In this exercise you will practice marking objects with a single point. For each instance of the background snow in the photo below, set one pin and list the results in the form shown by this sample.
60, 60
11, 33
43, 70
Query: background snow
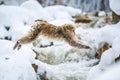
114, 5
61, 61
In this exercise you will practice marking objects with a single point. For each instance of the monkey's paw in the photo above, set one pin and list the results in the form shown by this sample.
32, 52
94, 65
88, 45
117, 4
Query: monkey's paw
87, 47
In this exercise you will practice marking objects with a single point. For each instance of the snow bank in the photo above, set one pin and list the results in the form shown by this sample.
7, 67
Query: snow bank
111, 54
94, 72
34, 7
14, 18
62, 15
107, 34
60, 22
16, 65
70, 10
73, 11
108, 57
115, 6
14, 14
65, 71
111, 74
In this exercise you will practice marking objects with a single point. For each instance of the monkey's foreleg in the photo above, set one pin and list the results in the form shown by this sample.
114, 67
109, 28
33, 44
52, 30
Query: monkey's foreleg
78, 44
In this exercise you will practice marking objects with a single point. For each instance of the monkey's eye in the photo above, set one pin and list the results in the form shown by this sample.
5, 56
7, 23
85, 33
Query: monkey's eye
73, 31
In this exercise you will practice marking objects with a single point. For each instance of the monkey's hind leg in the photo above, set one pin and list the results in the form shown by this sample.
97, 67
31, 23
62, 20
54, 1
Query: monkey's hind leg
17, 45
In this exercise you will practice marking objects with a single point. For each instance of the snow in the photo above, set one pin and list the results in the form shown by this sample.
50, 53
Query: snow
111, 74
59, 61
70, 10
108, 57
116, 44
65, 71
14, 17
62, 15
60, 22
115, 6
16, 65
17, 14
94, 72
101, 13
34, 7
107, 34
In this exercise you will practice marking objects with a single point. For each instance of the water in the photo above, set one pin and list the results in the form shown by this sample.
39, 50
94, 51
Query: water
85, 5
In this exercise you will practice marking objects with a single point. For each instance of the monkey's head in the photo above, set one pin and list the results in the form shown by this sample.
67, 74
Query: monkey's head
67, 31
70, 29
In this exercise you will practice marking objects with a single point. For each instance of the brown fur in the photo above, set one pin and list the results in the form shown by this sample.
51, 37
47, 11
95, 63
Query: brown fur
62, 33
100, 51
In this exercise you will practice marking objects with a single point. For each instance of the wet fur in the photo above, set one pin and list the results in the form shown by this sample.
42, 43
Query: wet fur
62, 33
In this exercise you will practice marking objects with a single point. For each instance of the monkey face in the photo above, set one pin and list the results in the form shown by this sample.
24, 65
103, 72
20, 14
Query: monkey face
70, 29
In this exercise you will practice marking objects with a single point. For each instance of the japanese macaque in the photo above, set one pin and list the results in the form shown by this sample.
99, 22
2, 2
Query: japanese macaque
65, 33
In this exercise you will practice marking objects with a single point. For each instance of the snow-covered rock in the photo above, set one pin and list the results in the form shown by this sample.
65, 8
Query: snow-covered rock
70, 10
65, 71
14, 14
94, 72
107, 34
60, 22
62, 15
73, 11
115, 6
111, 74
16, 65
14, 18
34, 7
108, 57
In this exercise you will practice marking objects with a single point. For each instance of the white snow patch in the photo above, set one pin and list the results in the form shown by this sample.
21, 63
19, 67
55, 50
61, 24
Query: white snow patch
115, 6
16, 65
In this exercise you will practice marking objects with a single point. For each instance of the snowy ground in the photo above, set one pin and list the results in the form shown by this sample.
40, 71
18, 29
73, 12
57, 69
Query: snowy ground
60, 61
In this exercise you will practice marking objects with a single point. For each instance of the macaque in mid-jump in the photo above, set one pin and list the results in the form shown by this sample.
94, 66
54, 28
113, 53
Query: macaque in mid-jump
65, 33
